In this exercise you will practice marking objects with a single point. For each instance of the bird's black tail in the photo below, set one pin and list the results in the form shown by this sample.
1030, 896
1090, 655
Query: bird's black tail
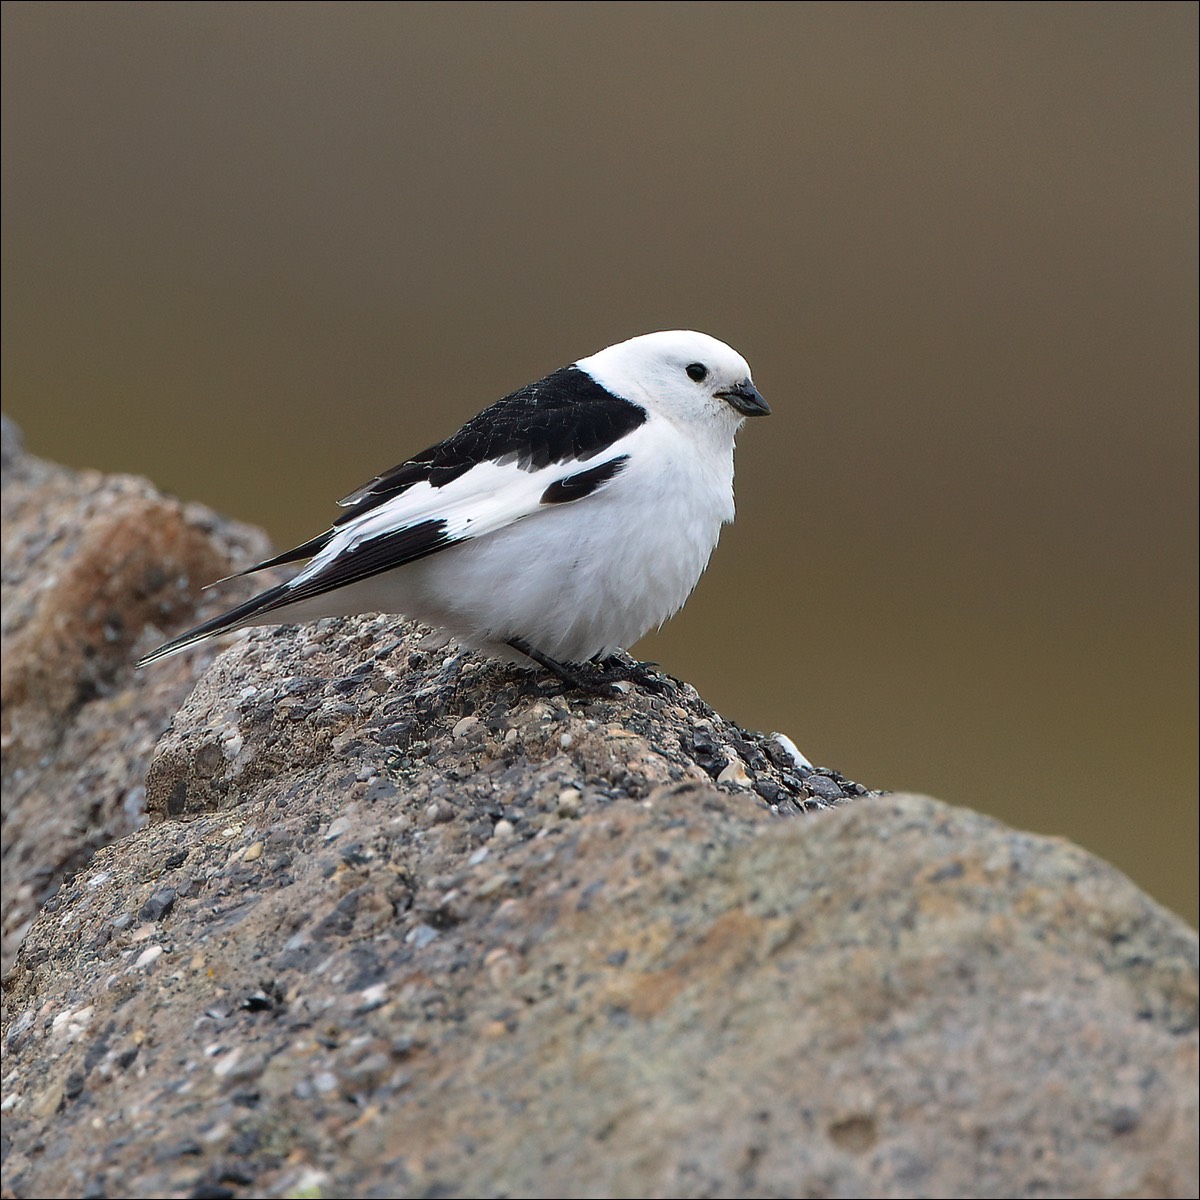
264, 602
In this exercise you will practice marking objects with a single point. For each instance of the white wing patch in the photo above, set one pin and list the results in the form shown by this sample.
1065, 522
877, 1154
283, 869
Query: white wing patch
487, 498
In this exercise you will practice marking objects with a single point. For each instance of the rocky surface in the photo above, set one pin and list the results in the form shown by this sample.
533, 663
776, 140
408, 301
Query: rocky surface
93, 566
406, 923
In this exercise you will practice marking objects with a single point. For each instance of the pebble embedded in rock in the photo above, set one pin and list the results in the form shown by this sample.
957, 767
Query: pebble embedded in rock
734, 773
464, 726
824, 788
148, 957
570, 802
159, 904
421, 935
337, 827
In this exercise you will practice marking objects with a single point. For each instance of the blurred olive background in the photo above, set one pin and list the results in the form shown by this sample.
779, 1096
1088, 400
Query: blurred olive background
258, 252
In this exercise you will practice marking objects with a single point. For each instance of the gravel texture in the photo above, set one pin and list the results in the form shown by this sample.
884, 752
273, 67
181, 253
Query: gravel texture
94, 566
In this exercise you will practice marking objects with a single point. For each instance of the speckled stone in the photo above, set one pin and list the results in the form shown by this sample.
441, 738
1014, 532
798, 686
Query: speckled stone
96, 569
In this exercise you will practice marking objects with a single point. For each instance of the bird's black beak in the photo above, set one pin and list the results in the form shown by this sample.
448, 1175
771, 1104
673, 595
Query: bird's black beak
745, 398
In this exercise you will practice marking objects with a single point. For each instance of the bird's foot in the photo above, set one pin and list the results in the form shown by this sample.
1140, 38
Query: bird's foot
626, 669
596, 678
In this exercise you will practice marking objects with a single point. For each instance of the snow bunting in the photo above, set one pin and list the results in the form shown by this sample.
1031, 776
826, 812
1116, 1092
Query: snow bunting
559, 525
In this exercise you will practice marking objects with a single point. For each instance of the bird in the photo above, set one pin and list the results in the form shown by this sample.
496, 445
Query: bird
555, 528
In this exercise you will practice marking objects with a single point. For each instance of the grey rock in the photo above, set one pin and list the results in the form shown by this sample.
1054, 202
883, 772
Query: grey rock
539, 952
96, 569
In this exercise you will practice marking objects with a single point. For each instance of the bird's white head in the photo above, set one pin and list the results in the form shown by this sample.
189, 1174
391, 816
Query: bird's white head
685, 376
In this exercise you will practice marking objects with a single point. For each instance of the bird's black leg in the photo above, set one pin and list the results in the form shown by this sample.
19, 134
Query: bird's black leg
565, 671
598, 682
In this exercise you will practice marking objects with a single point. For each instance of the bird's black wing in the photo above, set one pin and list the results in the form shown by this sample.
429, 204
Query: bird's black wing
565, 416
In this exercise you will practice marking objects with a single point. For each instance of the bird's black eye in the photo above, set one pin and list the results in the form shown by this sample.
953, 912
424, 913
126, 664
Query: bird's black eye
697, 372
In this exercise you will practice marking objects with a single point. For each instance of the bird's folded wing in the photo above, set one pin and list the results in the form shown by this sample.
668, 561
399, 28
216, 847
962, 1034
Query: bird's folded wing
424, 519
418, 521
